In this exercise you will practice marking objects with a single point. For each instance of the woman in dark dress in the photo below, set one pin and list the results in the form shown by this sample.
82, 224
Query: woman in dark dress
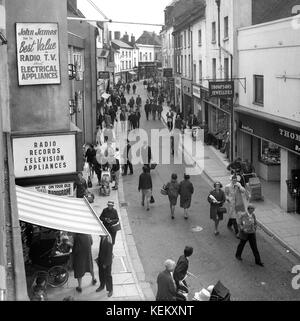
173, 191
82, 258
186, 189
216, 198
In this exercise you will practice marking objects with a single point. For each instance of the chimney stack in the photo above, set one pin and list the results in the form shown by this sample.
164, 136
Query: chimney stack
117, 35
132, 39
126, 37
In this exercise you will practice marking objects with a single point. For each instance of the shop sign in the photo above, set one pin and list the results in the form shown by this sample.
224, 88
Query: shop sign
103, 75
221, 89
44, 155
187, 87
60, 189
178, 82
196, 91
38, 53
281, 135
168, 72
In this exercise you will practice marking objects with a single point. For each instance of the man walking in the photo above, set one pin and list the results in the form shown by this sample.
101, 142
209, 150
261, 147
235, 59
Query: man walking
104, 262
145, 185
109, 217
134, 88
138, 101
147, 109
166, 290
128, 160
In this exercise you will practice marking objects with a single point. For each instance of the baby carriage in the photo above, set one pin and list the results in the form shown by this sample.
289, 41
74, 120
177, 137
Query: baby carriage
105, 182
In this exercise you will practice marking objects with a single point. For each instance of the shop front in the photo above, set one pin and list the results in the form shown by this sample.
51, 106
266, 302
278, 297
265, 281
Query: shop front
187, 105
178, 93
198, 110
272, 144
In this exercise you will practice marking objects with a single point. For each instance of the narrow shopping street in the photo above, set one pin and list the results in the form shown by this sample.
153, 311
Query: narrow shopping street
157, 238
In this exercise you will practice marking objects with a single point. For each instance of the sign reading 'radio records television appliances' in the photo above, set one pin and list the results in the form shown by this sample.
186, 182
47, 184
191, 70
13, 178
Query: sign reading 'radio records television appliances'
38, 53
168, 72
103, 75
222, 89
44, 155
61, 189
281, 135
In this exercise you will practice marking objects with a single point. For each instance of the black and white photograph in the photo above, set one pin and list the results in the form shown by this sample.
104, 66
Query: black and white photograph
150, 153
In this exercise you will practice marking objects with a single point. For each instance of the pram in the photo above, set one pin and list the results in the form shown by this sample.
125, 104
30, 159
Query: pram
105, 182
253, 186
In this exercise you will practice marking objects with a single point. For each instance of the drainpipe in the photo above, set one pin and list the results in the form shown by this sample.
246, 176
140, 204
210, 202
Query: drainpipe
218, 3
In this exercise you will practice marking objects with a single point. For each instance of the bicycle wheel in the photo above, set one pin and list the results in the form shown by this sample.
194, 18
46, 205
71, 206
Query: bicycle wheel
57, 276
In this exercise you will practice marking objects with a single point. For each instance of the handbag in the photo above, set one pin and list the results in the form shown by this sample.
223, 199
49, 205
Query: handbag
221, 210
164, 190
116, 227
89, 183
152, 200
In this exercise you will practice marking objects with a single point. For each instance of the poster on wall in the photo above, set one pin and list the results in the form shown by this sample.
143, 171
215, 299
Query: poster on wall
37, 53
60, 189
44, 155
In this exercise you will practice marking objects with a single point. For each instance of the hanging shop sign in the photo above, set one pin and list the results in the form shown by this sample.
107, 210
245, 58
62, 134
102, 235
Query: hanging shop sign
44, 155
221, 89
61, 189
103, 75
186, 87
281, 135
168, 72
178, 82
38, 53
197, 91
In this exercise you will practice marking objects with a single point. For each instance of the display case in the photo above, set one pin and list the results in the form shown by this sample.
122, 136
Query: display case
269, 161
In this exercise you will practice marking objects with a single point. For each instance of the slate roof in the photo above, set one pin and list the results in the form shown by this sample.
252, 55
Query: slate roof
149, 38
269, 10
120, 44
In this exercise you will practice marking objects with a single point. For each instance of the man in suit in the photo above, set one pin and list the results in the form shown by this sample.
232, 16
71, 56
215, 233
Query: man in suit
166, 290
182, 266
109, 216
104, 262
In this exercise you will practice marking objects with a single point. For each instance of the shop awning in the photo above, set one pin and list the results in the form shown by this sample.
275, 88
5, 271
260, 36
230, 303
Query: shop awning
105, 95
57, 212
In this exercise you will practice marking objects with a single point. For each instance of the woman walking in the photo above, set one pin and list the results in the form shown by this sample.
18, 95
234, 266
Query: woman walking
216, 198
247, 225
186, 189
172, 189
82, 258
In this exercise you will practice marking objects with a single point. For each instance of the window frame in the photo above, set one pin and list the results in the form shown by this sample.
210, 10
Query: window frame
213, 32
226, 28
256, 100
200, 37
214, 68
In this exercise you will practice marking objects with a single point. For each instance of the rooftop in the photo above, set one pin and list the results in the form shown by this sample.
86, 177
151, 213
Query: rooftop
149, 38
120, 44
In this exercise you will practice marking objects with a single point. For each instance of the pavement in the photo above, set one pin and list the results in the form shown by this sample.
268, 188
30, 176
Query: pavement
280, 225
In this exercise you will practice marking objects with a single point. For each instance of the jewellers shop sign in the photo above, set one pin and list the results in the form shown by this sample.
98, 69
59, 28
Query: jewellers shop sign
44, 155
221, 89
280, 134
38, 53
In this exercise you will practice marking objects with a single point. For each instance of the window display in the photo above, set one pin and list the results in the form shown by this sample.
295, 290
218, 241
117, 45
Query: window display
270, 153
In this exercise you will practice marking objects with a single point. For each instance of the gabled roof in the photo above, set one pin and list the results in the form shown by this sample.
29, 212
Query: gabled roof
149, 38
269, 10
120, 44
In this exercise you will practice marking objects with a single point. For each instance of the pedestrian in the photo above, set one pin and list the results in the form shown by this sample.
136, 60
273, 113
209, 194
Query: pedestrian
134, 88
181, 268
178, 123
170, 116
145, 185
107, 120
128, 88
104, 262
100, 119
172, 189
138, 101
123, 120
166, 290
146, 154
159, 111
216, 198
127, 160
123, 99
112, 115
145, 84
109, 217
131, 102
186, 189
138, 117
234, 196
80, 185
89, 155
153, 109
248, 225
147, 109
82, 258
115, 171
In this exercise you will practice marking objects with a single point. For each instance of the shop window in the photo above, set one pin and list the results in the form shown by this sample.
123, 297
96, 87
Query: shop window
258, 89
225, 28
213, 32
269, 153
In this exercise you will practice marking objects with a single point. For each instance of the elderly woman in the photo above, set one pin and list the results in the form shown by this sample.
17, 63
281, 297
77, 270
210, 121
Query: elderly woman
234, 193
172, 189
248, 224
186, 189
216, 198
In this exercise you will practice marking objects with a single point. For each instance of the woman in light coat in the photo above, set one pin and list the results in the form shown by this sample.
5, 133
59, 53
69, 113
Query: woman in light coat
234, 193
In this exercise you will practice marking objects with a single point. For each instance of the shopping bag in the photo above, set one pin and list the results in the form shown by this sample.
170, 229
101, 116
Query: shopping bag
164, 190
116, 227
152, 200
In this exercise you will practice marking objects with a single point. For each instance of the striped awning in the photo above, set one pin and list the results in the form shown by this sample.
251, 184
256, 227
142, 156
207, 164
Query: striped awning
58, 212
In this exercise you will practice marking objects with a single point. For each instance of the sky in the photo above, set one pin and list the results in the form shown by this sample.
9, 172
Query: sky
146, 11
